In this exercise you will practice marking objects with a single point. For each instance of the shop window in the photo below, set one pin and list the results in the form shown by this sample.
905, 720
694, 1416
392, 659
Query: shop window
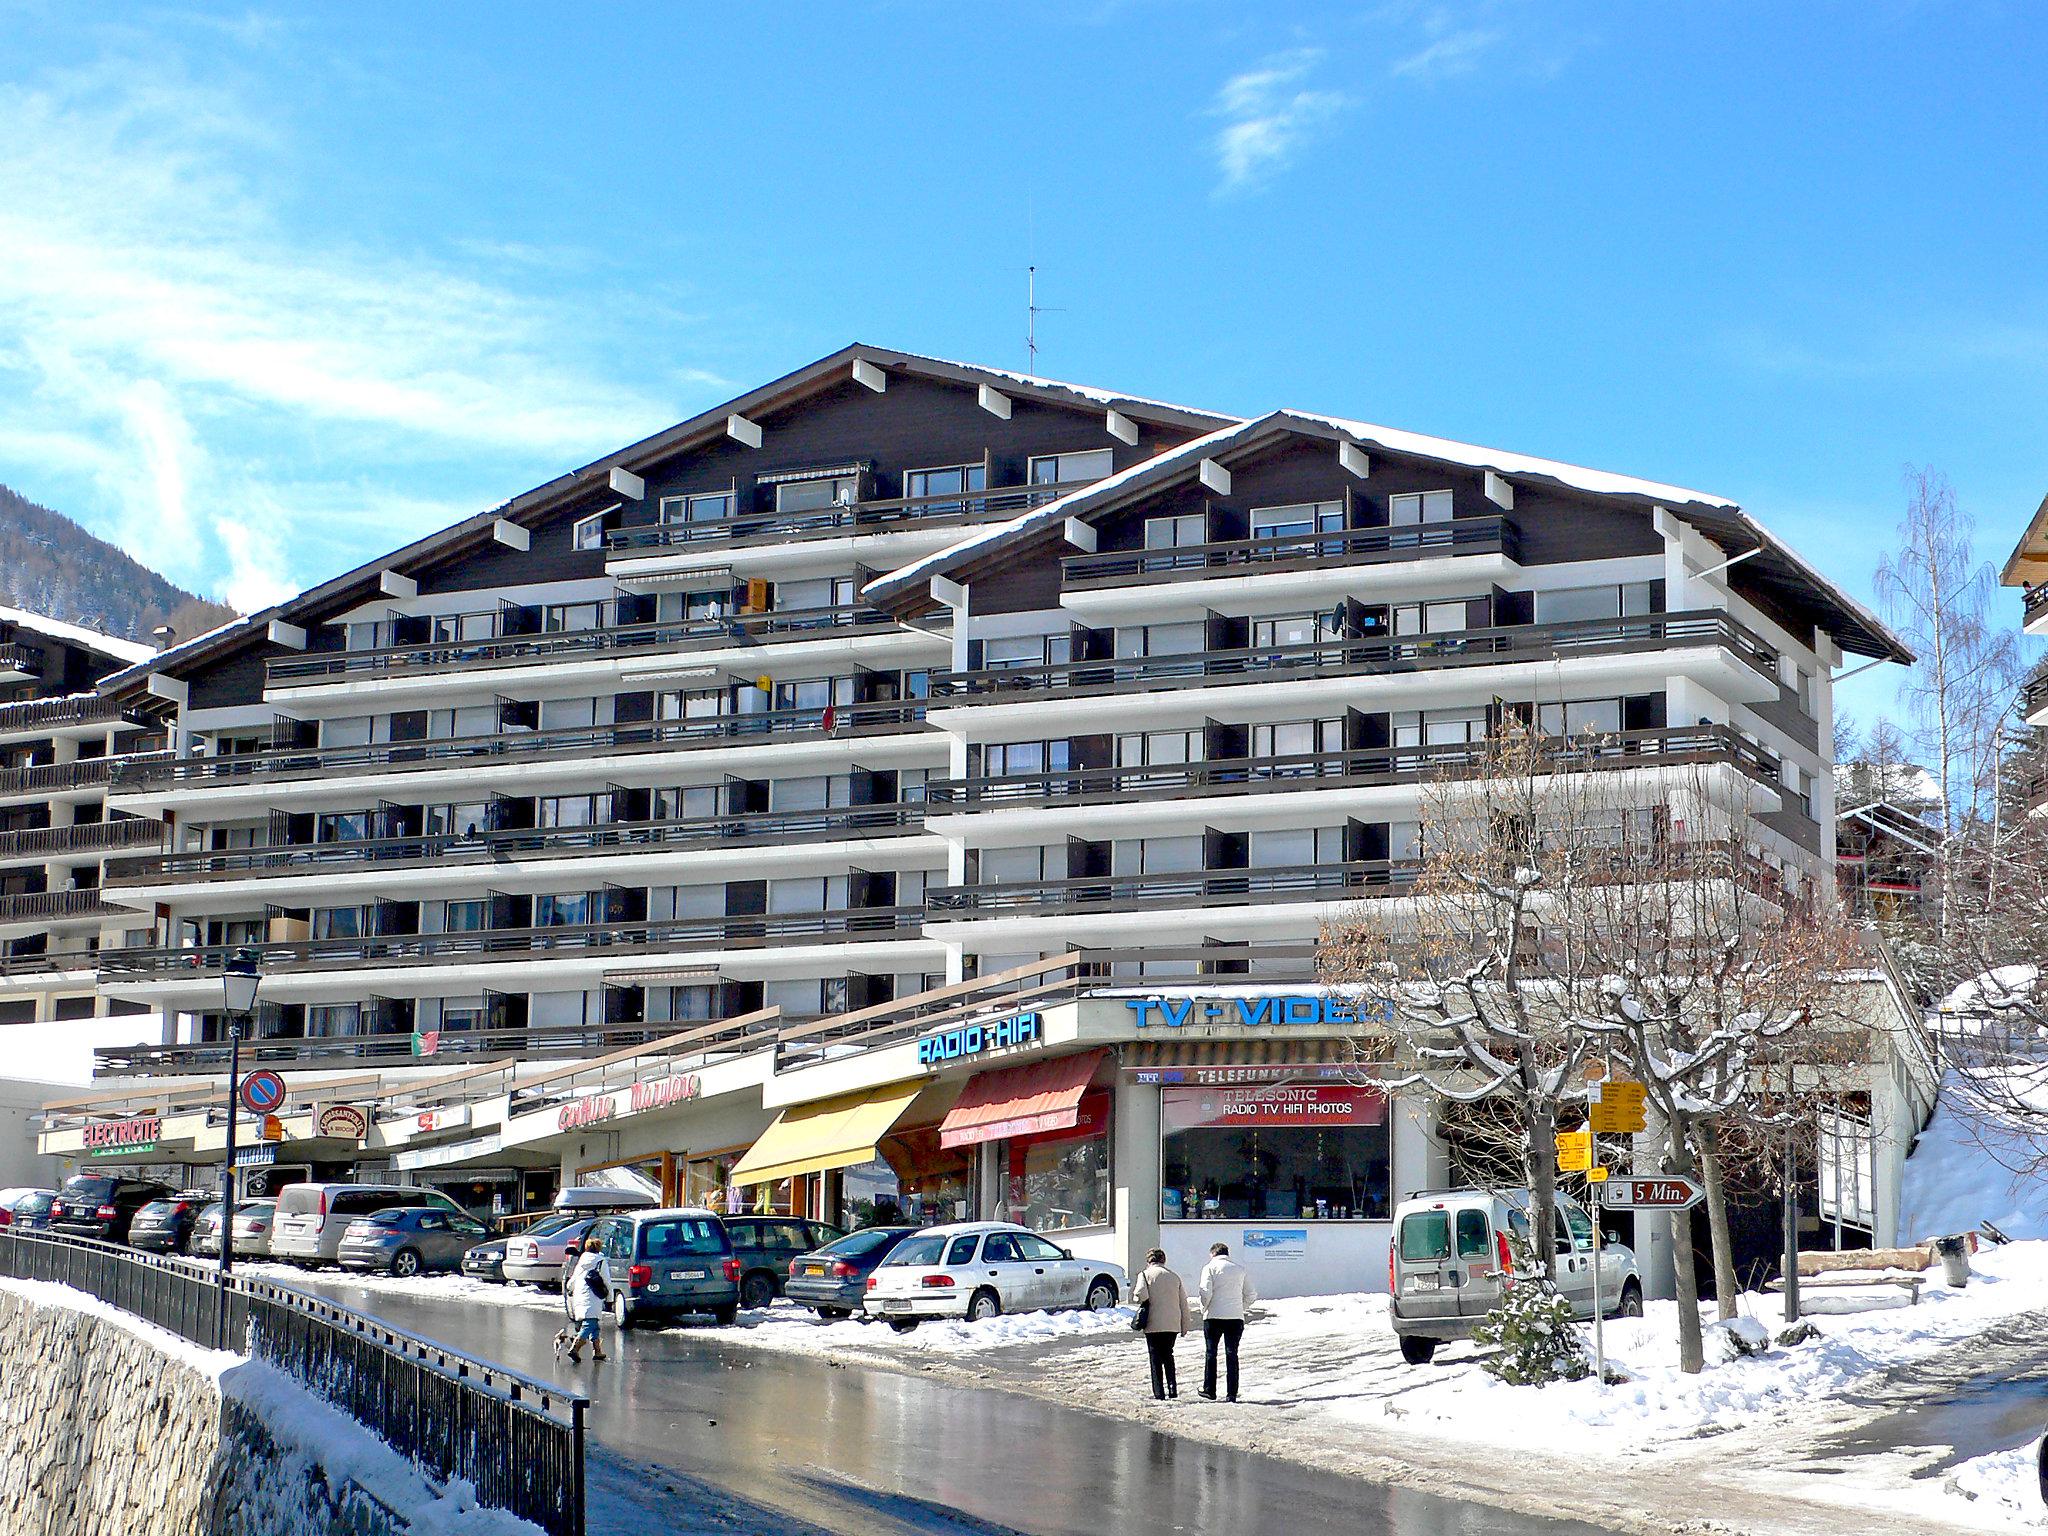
1294, 1151
1059, 1179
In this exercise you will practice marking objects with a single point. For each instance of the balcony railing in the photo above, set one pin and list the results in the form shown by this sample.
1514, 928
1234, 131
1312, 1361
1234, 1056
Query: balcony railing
16, 657
2034, 605
72, 709
87, 837
1357, 768
1200, 887
877, 516
570, 645
1376, 655
2034, 696
748, 931
520, 746
82, 773
34, 906
743, 830
1345, 546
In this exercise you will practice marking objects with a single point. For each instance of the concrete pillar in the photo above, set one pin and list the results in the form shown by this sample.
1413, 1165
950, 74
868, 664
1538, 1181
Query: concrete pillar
1134, 1155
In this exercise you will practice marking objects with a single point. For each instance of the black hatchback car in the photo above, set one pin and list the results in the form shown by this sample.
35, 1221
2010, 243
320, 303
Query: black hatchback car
833, 1282
102, 1205
165, 1226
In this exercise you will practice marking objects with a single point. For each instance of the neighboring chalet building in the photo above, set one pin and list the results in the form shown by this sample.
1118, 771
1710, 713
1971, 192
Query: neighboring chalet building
60, 742
2027, 568
913, 786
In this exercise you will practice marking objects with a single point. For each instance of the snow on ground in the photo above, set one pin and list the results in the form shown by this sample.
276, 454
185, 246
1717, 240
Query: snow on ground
795, 1330
2004, 1486
337, 1282
1961, 1174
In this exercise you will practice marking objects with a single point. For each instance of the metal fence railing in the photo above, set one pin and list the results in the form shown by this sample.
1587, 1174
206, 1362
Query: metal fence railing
517, 1439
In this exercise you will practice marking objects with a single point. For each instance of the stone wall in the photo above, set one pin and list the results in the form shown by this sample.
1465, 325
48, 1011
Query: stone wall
111, 1428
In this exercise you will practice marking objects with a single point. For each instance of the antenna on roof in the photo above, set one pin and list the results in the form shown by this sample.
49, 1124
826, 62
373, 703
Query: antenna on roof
1032, 310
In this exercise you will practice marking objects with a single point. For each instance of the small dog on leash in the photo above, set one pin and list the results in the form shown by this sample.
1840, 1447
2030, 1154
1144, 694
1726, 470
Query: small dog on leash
563, 1339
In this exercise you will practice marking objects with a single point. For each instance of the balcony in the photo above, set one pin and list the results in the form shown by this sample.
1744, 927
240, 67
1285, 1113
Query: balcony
2034, 699
878, 516
1198, 888
1362, 657
1358, 768
48, 906
139, 775
72, 710
607, 941
2034, 609
682, 835
88, 837
19, 660
82, 773
569, 645
1349, 546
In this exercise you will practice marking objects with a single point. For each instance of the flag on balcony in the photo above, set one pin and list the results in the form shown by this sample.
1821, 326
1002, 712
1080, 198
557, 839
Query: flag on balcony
426, 1042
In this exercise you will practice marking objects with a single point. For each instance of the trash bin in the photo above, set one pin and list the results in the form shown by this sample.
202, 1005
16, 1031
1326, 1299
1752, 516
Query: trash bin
1954, 1253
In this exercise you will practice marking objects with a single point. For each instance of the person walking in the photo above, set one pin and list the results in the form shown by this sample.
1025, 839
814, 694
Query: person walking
584, 1294
1227, 1295
1163, 1297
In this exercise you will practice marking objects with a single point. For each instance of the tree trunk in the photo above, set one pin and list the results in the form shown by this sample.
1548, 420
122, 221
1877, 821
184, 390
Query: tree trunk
1691, 1351
1542, 1166
1711, 1174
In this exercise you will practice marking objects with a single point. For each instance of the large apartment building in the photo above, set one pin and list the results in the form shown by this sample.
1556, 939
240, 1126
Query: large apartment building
780, 776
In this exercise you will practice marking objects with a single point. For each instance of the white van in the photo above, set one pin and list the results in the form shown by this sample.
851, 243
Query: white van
311, 1218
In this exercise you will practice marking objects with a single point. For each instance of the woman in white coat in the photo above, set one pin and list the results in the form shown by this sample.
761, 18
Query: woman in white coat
584, 1295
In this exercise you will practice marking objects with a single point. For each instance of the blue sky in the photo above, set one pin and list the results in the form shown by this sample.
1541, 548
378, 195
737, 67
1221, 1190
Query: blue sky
280, 289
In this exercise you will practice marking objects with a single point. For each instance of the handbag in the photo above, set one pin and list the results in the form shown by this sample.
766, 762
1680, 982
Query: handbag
1144, 1316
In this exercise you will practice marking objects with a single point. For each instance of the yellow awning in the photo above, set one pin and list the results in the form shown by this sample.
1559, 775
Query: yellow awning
831, 1133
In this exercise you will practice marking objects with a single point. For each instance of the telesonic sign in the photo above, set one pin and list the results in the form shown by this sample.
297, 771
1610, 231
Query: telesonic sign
977, 1039
1326, 1009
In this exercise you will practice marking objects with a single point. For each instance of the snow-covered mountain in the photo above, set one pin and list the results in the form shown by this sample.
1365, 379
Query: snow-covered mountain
52, 566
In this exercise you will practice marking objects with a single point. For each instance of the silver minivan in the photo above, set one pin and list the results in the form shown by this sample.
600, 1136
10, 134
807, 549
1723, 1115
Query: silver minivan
311, 1218
1450, 1249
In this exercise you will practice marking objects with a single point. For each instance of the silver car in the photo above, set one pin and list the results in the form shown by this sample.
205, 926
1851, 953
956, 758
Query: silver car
252, 1230
1451, 1247
536, 1256
409, 1240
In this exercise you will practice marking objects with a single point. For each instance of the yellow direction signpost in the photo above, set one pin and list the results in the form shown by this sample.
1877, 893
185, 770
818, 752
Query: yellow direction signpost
1574, 1151
1618, 1108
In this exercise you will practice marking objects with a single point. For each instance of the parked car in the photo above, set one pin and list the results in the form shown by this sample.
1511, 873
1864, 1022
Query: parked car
486, 1261
833, 1281
9, 1198
102, 1205
311, 1218
665, 1263
536, 1256
252, 1230
31, 1212
766, 1246
1451, 1248
408, 1240
165, 1226
978, 1269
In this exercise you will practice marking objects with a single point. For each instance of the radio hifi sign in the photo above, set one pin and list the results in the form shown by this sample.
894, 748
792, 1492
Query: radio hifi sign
342, 1122
115, 1138
979, 1039
1297, 1011
657, 1093
1284, 1104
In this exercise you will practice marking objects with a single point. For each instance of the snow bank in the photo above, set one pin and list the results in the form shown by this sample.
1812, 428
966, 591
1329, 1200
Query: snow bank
209, 1363
1961, 1174
2004, 1486
337, 1283
796, 1330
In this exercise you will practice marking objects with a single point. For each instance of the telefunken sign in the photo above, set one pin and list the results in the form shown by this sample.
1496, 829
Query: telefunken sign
598, 1107
977, 1039
1301, 1011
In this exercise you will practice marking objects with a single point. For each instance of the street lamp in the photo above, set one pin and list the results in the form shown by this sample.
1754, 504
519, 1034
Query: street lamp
239, 979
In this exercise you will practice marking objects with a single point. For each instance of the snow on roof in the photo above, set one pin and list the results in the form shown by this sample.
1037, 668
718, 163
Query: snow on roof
77, 634
1903, 784
150, 660
1999, 988
1100, 396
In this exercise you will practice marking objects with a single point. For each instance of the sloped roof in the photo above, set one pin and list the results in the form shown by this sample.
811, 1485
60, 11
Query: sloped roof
126, 651
705, 426
1854, 627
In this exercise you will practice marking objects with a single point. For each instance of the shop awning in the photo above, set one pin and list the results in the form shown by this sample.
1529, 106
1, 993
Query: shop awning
831, 1133
1020, 1101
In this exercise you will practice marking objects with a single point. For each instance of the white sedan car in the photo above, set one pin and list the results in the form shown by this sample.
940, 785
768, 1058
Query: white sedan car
978, 1269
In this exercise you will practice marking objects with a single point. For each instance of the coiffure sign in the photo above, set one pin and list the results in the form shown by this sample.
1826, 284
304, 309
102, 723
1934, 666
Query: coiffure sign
594, 1109
111, 1138
978, 1039
1303, 1011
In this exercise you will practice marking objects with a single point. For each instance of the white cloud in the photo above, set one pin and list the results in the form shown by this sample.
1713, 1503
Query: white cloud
1455, 53
215, 379
1269, 116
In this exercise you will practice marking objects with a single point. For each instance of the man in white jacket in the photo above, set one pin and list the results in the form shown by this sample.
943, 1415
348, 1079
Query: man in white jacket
1227, 1295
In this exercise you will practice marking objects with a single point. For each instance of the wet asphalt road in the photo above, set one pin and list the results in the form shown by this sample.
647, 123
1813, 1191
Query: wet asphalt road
778, 1445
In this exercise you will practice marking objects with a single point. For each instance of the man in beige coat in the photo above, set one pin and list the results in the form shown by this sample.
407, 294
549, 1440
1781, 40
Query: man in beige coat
1164, 1296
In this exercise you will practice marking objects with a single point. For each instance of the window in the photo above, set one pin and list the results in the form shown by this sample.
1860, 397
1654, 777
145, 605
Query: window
686, 1237
588, 532
564, 911
922, 484
1439, 727
1580, 717
820, 495
1416, 507
1059, 1178
1803, 685
1295, 847
1302, 517
1572, 605
1438, 618
1176, 532
560, 617
1474, 1235
342, 827
1158, 749
1002, 866
1001, 1248
1005, 757
1297, 739
1425, 1237
571, 810
467, 819
1162, 639
325, 1020
1293, 1151
1157, 855
1014, 651
340, 922
697, 509
1294, 629
1071, 468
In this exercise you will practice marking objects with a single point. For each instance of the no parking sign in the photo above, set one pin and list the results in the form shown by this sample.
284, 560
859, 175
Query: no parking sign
262, 1093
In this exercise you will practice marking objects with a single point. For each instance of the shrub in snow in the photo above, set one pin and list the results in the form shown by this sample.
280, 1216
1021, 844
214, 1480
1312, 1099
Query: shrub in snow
1799, 1333
1532, 1328
1734, 1338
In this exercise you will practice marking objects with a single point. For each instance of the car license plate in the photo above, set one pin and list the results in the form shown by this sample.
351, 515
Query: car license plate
1423, 1283
814, 1269
896, 1304
687, 1274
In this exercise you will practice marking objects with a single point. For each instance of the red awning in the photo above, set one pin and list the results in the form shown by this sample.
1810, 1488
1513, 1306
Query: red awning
1020, 1101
